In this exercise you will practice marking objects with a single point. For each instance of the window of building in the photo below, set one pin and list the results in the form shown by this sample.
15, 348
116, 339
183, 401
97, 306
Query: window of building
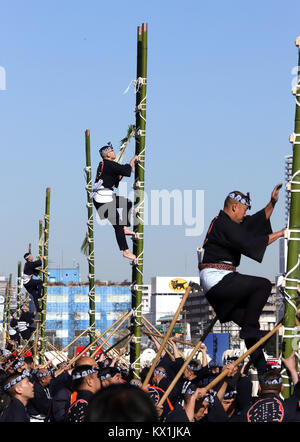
57, 316
57, 298
118, 298
85, 298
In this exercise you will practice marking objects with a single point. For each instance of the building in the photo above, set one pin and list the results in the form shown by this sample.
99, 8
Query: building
166, 295
67, 314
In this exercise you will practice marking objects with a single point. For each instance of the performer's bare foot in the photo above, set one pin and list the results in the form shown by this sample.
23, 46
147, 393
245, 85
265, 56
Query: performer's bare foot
127, 254
128, 231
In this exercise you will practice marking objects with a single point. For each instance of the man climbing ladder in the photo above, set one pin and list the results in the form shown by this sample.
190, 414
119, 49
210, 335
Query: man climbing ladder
234, 296
32, 285
106, 202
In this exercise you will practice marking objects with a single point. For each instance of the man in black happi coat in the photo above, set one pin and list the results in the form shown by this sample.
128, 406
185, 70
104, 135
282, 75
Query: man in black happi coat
107, 203
236, 297
32, 285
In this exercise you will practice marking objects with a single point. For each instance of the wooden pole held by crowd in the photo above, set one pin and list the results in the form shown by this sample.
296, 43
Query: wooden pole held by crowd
224, 372
166, 337
75, 339
124, 318
117, 343
36, 341
179, 373
86, 348
244, 356
158, 334
156, 337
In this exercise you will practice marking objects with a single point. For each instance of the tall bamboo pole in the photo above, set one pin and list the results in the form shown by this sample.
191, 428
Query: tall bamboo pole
293, 248
19, 287
139, 199
45, 277
40, 243
9, 298
36, 340
4, 322
90, 237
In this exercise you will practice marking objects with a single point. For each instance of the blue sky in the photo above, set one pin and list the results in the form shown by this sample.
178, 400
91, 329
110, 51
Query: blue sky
219, 115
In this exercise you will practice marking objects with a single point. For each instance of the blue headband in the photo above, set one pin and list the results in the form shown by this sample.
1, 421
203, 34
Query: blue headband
18, 364
106, 148
84, 373
193, 367
160, 373
243, 200
230, 394
44, 374
18, 379
271, 381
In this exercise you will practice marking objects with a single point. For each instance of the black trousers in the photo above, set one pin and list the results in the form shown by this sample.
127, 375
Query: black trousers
35, 288
110, 211
26, 334
241, 299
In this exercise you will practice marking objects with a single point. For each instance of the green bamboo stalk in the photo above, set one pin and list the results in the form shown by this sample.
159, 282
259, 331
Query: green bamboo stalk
139, 187
4, 320
5, 310
40, 243
9, 299
19, 287
43, 300
293, 249
90, 239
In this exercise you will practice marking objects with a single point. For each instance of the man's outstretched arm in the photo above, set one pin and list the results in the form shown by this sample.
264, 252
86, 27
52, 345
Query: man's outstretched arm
274, 198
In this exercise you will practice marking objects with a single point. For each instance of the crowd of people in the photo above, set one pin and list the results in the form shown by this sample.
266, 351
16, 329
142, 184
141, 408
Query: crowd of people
102, 389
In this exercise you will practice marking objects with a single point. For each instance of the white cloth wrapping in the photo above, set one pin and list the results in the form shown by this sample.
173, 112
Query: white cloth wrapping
101, 194
209, 277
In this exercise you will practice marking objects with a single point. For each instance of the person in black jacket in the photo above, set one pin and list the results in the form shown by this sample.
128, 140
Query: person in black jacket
109, 174
236, 297
39, 406
25, 322
12, 330
20, 390
270, 407
32, 285
85, 382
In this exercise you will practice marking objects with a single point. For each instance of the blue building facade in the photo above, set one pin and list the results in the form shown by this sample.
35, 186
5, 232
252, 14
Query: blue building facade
67, 312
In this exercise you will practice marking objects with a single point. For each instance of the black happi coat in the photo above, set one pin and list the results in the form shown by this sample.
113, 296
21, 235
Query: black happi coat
15, 412
110, 171
271, 408
30, 267
40, 404
76, 412
228, 240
